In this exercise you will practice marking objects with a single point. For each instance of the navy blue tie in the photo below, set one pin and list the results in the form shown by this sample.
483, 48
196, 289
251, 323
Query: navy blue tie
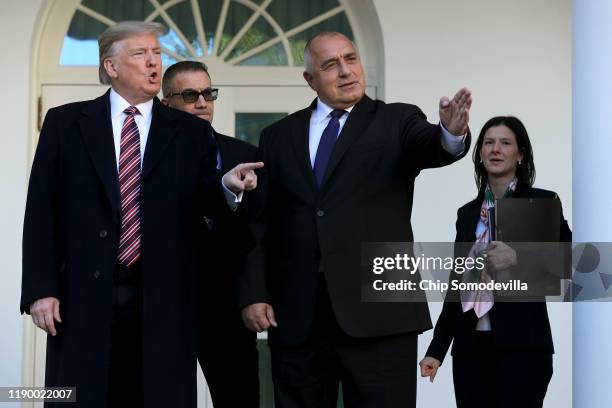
326, 145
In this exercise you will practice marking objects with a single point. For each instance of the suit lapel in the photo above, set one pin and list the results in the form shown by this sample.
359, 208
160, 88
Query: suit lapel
300, 138
161, 132
471, 221
97, 132
358, 120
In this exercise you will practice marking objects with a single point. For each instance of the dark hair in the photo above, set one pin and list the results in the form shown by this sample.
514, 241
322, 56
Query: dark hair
183, 66
525, 172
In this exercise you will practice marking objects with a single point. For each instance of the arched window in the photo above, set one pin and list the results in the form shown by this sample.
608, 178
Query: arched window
238, 32
245, 42
253, 48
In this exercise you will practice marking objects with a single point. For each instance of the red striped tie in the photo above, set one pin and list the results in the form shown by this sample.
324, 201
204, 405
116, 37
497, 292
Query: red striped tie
129, 187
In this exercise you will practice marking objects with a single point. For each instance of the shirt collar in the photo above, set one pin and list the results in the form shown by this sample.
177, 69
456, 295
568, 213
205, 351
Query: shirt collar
322, 111
118, 104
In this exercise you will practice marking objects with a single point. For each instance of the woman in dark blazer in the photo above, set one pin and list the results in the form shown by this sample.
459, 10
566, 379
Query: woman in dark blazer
502, 351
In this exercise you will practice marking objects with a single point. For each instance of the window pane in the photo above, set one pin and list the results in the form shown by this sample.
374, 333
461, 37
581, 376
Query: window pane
171, 41
182, 15
259, 33
249, 125
237, 16
291, 13
81, 42
210, 11
121, 10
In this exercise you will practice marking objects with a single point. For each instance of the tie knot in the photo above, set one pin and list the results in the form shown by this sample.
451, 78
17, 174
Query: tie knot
132, 110
337, 113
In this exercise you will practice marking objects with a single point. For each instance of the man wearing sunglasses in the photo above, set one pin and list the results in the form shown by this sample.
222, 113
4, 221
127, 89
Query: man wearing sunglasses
186, 86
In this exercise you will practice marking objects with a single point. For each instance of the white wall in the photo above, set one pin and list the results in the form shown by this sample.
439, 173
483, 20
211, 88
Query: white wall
17, 21
515, 56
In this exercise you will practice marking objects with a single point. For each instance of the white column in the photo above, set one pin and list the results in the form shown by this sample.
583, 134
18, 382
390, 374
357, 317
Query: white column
592, 193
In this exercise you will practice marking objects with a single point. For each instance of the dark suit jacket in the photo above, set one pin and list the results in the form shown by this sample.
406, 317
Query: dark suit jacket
224, 240
366, 197
71, 237
515, 325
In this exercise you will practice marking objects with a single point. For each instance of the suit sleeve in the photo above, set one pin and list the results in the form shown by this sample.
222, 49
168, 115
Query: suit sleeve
248, 154
421, 141
252, 279
444, 332
42, 253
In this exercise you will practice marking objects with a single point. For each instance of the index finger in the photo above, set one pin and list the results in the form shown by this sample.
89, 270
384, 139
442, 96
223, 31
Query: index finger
249, 166
50, 324
270, 316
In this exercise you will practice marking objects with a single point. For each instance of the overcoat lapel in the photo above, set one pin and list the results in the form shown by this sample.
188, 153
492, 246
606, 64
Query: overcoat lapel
97, 132
358, 120
300, 138
162, 131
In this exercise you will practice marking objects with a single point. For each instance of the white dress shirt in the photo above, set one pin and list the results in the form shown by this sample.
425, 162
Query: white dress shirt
320, 118
117, 105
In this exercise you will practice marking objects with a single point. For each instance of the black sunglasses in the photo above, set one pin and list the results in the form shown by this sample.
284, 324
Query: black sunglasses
191, 95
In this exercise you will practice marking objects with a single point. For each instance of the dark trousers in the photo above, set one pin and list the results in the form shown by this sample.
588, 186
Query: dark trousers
227, 352
378, 372
500, 379
125, 371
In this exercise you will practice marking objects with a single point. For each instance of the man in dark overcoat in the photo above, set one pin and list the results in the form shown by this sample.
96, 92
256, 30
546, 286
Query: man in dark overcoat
116, 189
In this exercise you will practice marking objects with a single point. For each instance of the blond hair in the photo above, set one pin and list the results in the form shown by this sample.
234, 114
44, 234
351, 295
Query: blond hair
109, 39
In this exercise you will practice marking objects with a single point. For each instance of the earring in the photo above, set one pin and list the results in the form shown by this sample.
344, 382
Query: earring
519, 162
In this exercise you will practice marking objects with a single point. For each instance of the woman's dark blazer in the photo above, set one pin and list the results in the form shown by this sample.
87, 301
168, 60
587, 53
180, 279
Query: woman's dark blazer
515, 325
